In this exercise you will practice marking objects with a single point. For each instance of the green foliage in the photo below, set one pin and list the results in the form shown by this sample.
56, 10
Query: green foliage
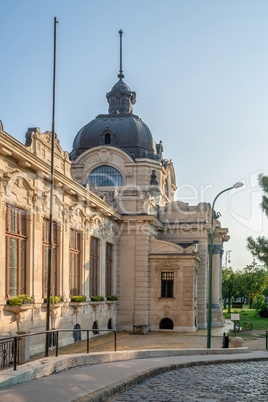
54, 299
97, 298
263, 311
249, 284
251, 315
78, 298
254, 281
258, 302
230, 284
259, 246
112, 297
19, 300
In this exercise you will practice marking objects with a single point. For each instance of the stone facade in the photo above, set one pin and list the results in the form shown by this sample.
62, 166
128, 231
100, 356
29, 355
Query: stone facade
122, 235
24, 184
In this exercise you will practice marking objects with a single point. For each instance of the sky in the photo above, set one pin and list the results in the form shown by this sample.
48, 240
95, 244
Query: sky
200, 72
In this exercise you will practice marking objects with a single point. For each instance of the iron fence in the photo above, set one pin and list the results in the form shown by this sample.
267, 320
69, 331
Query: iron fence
10, 346
6, 353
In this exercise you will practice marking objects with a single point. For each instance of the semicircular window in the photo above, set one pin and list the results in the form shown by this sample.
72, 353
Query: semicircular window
105, 176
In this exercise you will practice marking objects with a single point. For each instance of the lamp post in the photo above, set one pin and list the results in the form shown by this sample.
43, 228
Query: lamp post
209, 323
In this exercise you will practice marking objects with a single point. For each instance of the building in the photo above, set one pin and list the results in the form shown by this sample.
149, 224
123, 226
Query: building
117, 230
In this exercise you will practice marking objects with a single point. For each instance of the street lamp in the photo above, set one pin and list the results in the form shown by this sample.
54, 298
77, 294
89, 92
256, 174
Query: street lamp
209, 324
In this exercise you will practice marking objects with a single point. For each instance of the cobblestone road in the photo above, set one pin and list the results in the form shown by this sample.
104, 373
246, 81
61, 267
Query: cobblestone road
235, 382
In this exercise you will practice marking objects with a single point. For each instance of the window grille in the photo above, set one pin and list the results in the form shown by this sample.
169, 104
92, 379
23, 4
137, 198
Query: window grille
167, 284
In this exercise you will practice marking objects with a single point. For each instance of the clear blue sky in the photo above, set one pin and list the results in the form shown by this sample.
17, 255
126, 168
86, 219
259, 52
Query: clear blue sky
200, 71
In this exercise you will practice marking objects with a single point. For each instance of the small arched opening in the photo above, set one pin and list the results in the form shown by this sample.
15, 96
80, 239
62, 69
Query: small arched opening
77, 333
166, 323
95, 328
110, 324
107, 138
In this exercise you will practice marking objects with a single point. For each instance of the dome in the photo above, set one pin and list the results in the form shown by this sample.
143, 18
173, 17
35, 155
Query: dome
125, 131
120, 127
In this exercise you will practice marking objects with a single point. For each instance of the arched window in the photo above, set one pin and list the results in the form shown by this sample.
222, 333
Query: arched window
107, 138
105, 176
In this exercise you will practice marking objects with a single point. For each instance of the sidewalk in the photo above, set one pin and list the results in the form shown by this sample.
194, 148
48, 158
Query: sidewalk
75, 374
100, 380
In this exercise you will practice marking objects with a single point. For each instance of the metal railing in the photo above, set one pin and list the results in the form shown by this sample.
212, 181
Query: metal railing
9, 346
7, 352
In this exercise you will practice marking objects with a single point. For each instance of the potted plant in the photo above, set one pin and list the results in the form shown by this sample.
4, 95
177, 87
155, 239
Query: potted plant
112, 298
78, 299
54, 299
97, 298
19, 300
18, 305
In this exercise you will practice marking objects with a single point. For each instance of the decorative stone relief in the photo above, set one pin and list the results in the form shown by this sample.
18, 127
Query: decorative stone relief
167, 265
104, 155
94, 225
19, 191
76, 216
109, 232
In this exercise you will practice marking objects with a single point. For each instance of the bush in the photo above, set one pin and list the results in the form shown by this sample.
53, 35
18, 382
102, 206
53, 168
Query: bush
78, 298
54, 299
263, 311
97, 298
112, 297
19, 300
258, 302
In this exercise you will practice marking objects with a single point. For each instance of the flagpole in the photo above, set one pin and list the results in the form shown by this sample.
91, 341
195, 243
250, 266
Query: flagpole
50, 248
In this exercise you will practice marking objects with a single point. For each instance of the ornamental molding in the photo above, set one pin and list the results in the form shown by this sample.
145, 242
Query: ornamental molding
168, 266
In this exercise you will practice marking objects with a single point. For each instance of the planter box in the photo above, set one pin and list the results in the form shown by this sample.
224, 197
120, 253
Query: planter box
18, 309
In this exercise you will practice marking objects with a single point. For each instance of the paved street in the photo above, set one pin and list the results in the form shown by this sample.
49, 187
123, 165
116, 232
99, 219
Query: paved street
233, 382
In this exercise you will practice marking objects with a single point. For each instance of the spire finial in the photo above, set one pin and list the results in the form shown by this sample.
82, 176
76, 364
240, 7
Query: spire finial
120, 75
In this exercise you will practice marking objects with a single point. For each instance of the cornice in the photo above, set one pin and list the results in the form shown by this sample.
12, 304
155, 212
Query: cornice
11, 147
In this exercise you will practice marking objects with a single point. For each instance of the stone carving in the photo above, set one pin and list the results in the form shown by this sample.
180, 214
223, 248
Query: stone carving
104, 155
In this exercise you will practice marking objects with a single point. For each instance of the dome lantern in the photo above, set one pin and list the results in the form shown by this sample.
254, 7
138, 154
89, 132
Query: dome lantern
121, 99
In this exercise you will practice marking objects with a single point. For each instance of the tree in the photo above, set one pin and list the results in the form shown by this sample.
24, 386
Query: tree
259, 246
230, 285
254, 281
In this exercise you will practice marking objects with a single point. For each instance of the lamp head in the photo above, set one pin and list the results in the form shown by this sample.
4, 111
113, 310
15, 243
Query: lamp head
238, 184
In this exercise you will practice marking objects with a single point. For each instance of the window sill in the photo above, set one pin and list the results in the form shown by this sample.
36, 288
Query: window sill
166, 298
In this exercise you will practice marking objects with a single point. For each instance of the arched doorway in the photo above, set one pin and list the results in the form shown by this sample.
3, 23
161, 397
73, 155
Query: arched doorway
166, 323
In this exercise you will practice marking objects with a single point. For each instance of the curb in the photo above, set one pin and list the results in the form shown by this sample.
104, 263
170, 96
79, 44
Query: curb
51, 365
119, 387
